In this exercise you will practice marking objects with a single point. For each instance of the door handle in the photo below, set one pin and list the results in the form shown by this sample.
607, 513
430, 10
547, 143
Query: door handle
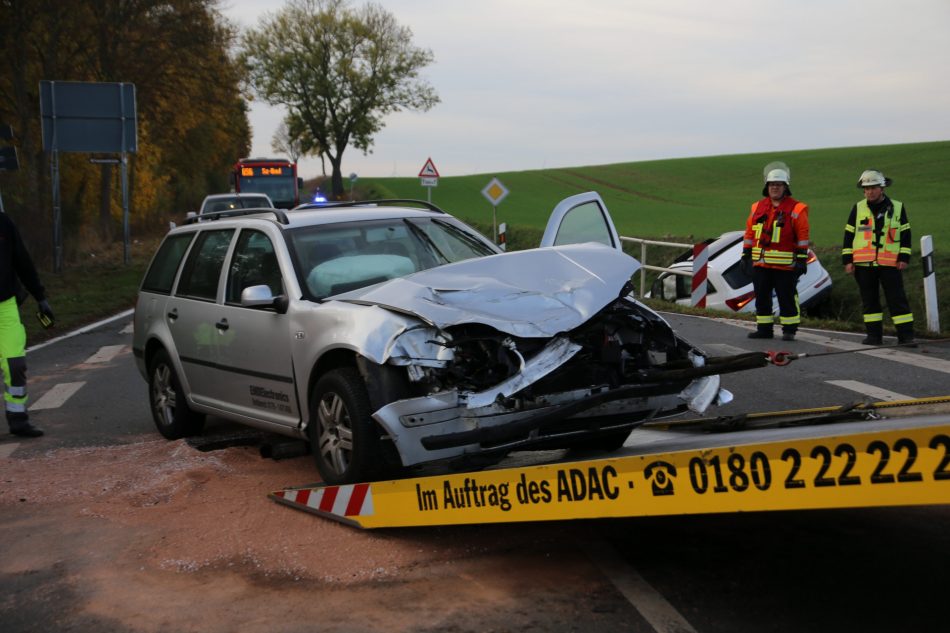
173, 314
222, 324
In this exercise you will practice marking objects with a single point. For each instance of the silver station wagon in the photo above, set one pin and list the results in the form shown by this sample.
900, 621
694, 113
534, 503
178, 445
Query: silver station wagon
390, 334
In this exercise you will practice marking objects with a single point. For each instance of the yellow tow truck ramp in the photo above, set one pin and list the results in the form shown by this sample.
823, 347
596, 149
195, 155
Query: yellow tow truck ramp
894, 462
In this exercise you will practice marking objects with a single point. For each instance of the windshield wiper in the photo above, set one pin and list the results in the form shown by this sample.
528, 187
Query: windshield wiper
423, 236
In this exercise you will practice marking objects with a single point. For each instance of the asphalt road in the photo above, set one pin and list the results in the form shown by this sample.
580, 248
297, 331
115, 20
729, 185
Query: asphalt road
831, 570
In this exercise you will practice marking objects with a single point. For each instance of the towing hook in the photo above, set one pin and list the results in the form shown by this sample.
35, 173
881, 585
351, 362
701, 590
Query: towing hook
781, 358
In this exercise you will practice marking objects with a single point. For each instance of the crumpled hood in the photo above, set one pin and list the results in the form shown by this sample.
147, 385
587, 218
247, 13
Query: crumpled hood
534, 293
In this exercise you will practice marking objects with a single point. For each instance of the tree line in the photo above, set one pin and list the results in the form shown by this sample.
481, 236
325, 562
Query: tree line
335, 69
192, 116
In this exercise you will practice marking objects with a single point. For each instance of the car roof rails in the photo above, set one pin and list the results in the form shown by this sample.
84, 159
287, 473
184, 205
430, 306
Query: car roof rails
367, 203
280, 214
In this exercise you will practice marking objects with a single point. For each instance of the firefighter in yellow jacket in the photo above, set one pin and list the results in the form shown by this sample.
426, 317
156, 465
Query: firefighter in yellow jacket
876, 250
16, 267
775, 252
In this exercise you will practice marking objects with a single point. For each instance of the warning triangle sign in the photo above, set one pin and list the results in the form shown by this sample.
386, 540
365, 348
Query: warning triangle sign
429, 170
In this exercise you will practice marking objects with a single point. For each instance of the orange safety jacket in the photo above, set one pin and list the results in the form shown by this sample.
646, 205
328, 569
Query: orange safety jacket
776, 236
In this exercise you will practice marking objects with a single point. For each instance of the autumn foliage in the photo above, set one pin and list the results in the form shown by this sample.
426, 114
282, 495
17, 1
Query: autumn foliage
192, 117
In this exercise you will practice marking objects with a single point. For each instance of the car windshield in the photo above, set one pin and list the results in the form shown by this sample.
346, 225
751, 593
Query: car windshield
334, 258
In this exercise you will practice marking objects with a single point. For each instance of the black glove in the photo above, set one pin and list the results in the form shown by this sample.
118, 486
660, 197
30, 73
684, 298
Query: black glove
745, 265
45, 314
801, 267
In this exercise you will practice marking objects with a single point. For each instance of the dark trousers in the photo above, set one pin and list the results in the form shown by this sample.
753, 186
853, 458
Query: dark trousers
870, 279
783, 282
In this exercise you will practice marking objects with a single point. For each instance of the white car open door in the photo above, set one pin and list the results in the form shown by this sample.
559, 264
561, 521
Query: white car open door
579, 219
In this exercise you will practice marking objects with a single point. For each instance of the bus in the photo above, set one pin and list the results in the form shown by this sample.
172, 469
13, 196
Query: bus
277, 177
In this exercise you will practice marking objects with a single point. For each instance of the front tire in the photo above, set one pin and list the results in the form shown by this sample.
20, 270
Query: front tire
343, 436
173, 418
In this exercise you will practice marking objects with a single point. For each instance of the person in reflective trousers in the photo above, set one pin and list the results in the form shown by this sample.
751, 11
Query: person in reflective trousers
876, 250
16, 267
775, 252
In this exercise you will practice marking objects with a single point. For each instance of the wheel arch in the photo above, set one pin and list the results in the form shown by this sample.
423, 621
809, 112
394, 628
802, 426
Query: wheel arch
384, 383
152, 347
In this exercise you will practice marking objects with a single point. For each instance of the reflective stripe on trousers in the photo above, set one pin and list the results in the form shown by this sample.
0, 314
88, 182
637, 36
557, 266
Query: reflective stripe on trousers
871, 280
13, 360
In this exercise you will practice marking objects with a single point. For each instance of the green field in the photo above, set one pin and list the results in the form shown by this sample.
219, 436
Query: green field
704, 197
692, 199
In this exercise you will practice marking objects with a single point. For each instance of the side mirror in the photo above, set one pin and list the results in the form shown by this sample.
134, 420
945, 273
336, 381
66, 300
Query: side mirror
261, 297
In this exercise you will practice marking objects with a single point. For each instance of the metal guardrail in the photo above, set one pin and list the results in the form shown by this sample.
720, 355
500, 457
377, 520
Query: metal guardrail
643, 259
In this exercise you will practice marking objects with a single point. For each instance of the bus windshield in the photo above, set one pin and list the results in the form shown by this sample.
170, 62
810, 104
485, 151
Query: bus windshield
281, 189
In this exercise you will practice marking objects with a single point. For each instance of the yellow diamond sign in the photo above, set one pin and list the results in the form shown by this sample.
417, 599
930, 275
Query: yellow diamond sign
495, 191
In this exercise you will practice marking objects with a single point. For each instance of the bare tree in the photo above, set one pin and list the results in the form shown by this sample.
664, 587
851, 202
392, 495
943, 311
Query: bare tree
286, 144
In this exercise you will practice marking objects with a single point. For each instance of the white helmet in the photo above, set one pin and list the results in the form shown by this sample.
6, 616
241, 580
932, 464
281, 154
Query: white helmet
777, 175
873, 178
777, 171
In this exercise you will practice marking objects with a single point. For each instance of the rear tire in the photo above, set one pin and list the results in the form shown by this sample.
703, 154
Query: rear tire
173, 418
343, 436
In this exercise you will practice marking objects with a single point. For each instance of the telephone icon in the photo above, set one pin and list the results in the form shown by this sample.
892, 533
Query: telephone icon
660, 474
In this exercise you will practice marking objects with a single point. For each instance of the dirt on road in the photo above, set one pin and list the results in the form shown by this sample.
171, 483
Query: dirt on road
157, 536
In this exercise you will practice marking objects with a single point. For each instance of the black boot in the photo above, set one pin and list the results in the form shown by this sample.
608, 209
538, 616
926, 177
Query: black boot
762, 332
875, 334
788, 334
905, 336
23, 428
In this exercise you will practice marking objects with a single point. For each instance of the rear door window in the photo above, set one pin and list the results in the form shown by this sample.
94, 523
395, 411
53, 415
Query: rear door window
202, 271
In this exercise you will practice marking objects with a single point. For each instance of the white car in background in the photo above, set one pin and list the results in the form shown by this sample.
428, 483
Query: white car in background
729, 289
230, 201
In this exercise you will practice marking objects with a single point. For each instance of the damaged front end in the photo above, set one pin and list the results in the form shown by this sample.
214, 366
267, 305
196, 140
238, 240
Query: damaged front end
480, 390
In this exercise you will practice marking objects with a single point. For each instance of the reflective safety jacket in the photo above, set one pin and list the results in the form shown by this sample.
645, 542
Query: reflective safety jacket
871, 244
776, 236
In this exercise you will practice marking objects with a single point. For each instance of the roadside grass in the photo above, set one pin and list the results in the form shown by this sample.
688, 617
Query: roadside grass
96, 286
704, 197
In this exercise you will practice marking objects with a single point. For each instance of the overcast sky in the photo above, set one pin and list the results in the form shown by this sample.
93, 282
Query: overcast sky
534, 84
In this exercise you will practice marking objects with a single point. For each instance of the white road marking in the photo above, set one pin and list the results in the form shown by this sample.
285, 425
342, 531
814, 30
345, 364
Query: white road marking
869, 390
895, 354
652, 606
82, 330
128, 329
7, 449
105, 354
57, 396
